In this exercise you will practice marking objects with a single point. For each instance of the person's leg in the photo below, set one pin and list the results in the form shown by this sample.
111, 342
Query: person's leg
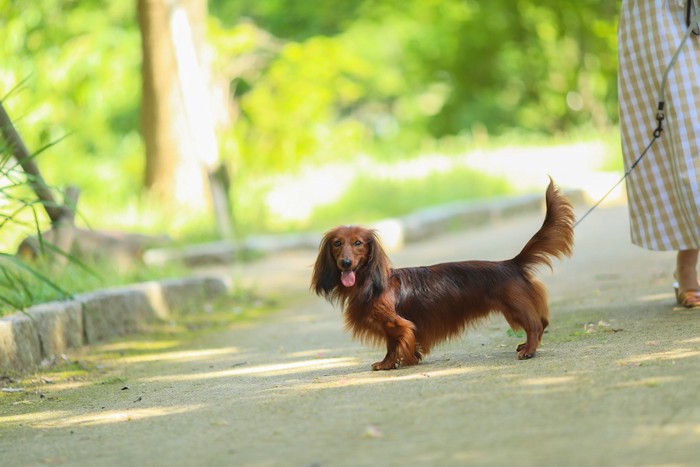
687, 275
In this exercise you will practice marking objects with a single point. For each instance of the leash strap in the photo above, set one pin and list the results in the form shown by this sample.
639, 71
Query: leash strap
689, 7
657, 134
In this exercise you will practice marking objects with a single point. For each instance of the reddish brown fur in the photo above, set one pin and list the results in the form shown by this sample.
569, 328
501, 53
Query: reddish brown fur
413, 309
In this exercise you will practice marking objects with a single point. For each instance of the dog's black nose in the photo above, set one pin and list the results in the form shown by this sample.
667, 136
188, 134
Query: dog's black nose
345, 263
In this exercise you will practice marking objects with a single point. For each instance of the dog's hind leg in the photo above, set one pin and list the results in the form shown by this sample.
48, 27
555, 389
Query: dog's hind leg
527, 308
533, 325
528, 348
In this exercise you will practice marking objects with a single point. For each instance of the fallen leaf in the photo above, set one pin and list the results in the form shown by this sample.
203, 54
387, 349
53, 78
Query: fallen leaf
373, 432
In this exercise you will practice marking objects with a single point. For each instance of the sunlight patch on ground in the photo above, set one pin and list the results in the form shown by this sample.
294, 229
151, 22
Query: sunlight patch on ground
181, 356
651, 433
64, 386
32, 417
649, 382
309, 353
273, 369
353, 380
657, 297
662, 356
547, 381
64, 419
112, 416
137, 345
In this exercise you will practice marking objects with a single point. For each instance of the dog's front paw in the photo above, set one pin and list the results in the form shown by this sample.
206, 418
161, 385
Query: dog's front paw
524, 353
385, 365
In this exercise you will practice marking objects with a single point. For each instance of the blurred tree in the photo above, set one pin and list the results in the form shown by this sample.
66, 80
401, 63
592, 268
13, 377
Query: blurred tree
159, 102
291, 19
182, 157
166, 132
76, 63
305, 81
399, 73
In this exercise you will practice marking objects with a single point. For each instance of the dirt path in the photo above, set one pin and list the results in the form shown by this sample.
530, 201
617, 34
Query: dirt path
292, 389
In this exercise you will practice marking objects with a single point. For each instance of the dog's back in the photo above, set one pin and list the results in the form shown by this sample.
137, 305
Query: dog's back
444, 299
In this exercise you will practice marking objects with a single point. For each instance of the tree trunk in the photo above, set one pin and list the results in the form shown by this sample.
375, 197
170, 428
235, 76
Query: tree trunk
159, 98
178, 124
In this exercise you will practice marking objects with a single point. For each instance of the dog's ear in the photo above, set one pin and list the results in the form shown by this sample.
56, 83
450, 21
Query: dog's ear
325, 275
378, 265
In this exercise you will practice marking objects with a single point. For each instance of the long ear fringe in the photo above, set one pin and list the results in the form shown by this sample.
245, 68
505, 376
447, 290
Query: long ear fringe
379, 266
325, 277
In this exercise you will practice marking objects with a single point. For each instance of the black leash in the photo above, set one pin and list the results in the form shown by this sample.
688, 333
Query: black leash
656, 135
689, 16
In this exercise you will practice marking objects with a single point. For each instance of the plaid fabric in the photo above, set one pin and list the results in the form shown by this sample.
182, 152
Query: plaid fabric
664, 189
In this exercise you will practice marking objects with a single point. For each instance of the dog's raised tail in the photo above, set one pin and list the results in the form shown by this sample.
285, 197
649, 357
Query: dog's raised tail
555, 238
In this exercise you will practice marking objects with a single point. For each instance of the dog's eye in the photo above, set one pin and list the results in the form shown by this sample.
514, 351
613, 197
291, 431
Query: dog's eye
336, 243
358, 242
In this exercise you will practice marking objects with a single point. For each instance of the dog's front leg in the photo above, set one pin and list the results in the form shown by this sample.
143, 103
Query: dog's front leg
391, 360
400, 344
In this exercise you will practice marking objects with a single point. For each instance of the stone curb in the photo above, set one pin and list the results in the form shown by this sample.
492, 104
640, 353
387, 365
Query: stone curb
46, 331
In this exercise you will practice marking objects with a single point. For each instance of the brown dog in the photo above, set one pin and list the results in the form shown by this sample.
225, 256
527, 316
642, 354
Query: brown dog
413, 309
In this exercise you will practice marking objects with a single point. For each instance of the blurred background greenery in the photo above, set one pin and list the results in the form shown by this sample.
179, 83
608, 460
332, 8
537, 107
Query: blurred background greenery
322, 104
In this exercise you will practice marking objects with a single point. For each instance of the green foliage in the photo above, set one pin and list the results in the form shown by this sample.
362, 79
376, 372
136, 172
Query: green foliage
309, 82
373, 198
80, 62
291, 19
19, 214
401, 72
23, 284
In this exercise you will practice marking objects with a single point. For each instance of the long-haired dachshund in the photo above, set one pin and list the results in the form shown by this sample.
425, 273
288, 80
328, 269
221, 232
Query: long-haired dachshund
413, 309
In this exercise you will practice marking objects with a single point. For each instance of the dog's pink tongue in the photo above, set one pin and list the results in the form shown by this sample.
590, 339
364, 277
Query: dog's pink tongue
347, 278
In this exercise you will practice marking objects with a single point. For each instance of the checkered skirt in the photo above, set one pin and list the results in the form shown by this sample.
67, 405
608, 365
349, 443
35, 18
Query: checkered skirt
664, 189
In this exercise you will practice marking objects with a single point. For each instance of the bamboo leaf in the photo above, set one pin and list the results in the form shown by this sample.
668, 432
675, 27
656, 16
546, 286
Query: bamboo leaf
14, 261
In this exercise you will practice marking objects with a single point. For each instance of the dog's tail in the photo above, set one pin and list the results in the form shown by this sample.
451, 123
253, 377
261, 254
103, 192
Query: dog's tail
556, 236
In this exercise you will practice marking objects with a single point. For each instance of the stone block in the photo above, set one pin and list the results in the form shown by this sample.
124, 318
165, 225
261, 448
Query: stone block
153, 293
112, 313
190, 294
20, 349
60, 326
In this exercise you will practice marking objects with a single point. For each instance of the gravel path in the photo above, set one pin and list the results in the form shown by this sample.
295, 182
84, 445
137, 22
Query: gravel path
615, 382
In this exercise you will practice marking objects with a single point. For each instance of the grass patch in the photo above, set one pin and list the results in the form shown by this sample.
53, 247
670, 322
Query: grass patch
382, 184
373, 198
113, 380
581, 326
21, 288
